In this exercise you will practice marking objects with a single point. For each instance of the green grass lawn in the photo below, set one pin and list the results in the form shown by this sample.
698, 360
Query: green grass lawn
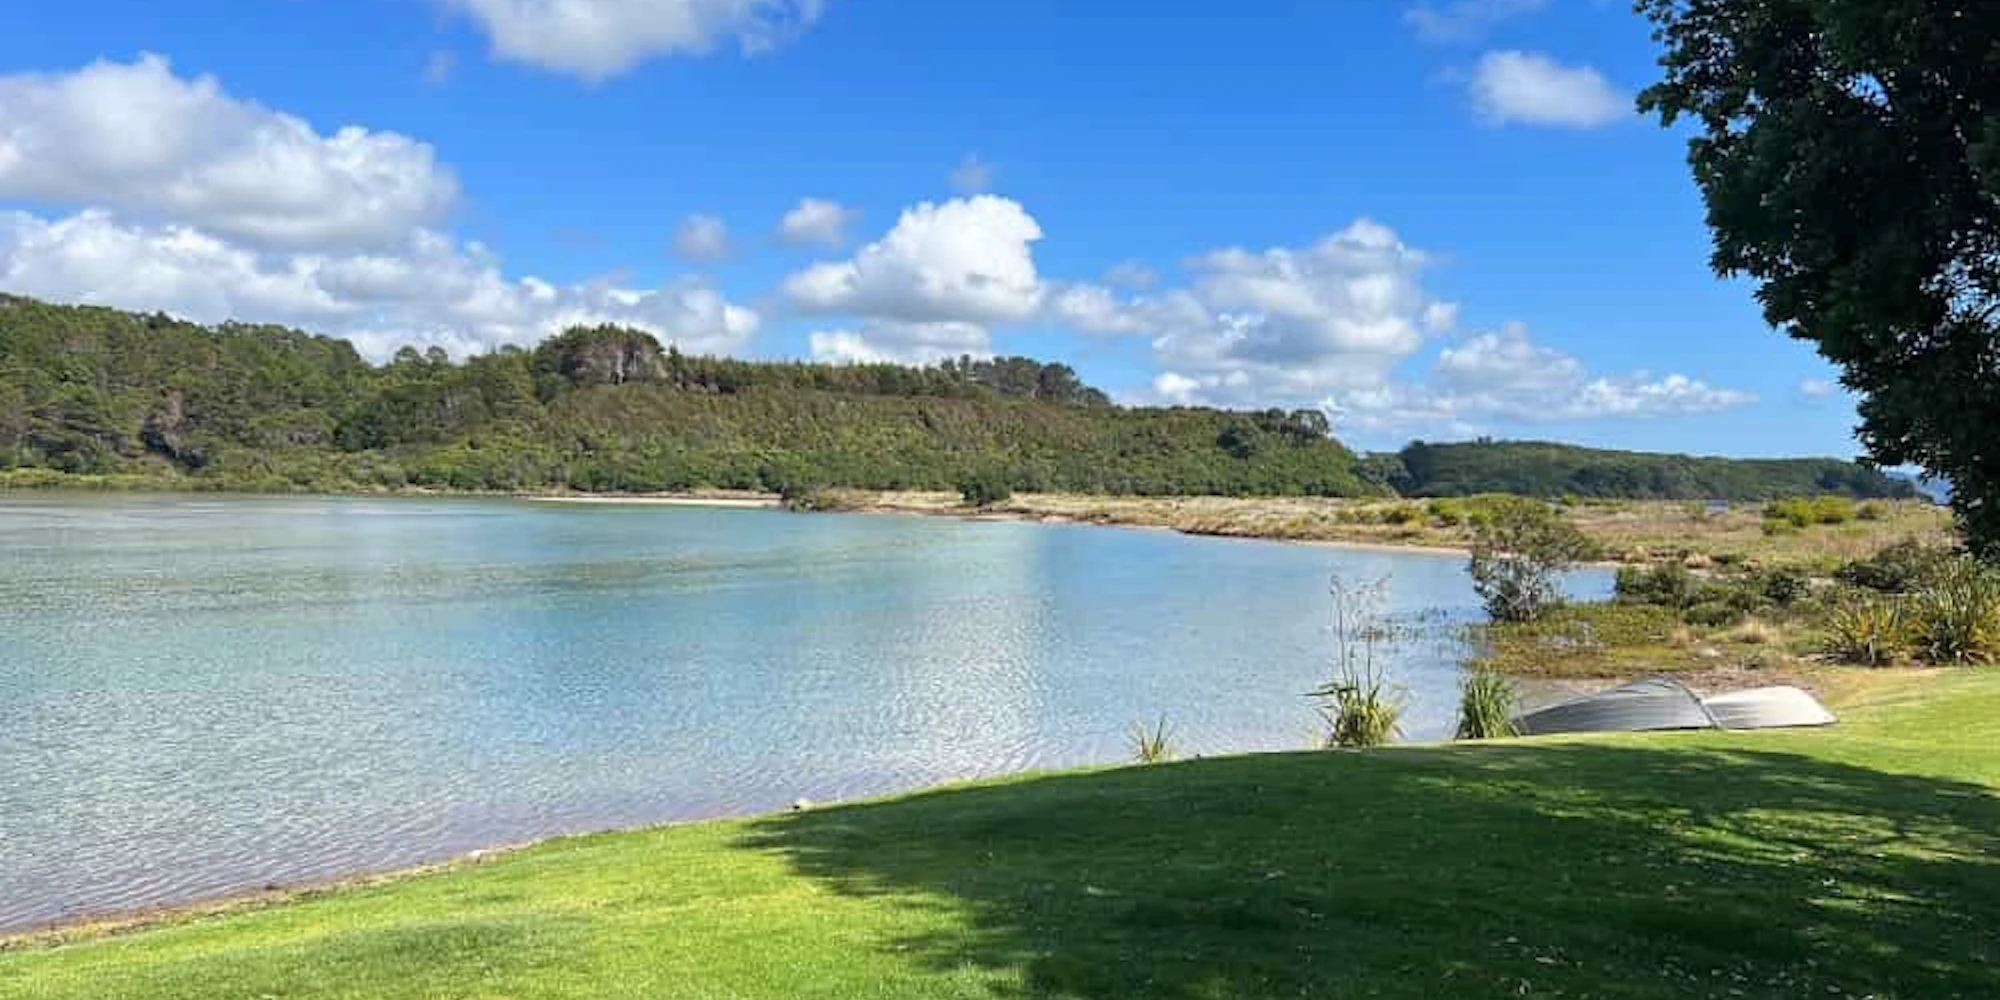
1854, 862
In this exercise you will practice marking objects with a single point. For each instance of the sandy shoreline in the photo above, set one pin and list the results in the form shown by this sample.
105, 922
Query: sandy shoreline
927, 506
747, 502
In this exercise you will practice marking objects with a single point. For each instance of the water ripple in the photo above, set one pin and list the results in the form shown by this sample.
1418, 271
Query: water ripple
202, 696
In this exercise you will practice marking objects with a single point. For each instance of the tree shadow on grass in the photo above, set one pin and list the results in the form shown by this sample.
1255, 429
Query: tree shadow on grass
1558, 870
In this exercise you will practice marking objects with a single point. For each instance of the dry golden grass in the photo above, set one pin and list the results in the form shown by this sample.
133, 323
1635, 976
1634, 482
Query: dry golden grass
1630, 531
1753, 633
1646, 531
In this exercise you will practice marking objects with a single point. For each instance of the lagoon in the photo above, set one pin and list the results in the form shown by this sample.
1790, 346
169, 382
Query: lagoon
205, 695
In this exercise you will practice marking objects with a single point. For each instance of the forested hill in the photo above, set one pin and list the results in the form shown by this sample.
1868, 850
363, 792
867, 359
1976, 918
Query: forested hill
1536, 468
98, 391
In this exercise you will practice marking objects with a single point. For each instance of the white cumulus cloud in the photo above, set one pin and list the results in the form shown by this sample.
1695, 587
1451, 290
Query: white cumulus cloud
1506, 376
1530, 88
968, 260
428, 290
932, 286
137, 138
817, 220
1289, 323
598, 39
1817, 388
902, 343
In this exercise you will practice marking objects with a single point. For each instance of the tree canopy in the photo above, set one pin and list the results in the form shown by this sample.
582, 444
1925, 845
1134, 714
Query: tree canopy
1543, 469
91, 390
1849, 155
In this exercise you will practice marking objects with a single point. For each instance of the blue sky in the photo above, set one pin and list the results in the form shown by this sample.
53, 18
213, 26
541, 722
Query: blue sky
1438, 219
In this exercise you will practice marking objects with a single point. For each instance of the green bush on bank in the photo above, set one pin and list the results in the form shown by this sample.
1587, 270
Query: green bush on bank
985, 488
1803, 512
1906, 566
1915, 601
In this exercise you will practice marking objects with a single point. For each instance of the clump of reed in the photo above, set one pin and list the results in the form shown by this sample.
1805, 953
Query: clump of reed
1486, 703
1153, 744
1360, 706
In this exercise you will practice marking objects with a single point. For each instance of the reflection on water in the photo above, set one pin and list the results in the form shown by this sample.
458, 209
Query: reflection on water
206, 695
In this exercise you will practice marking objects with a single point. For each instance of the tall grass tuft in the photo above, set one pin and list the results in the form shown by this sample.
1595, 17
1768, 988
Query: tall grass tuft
1871, 630
1486, 703
1958, 615
1360, 706
1153, 744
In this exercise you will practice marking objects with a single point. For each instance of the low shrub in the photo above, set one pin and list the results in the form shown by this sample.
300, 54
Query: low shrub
1832, 510
1402, 514
1713, 614
1957, 615
1753, 633
1783, 587
1898, 569
1873, 510
1360, 715
1486, 703
1668, 585
1801, 512
1867, 628
1473, 511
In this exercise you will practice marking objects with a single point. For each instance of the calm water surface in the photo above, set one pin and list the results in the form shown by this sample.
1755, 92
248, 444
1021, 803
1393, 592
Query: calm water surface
206, 695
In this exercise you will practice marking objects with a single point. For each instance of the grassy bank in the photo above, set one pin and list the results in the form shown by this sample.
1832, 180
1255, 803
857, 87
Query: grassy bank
1631, 531
1848, 862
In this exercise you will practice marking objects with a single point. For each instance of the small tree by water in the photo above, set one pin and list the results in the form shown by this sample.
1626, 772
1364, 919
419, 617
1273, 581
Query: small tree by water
1519, 556
1360, 705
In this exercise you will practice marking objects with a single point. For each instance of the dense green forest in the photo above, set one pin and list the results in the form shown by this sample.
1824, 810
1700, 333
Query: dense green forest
95, 391
1535, 468
98, 391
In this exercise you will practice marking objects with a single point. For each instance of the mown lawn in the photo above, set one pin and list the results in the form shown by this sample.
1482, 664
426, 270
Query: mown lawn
1854, 862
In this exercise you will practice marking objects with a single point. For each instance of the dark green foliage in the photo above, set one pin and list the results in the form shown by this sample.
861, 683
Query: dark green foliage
1668, 586
1540, 469
1710, 601
601, 355
1519, 556
1849, 155
1784, 587
1901, 568
985, 488
1958, 614
1940, 607
1384, 469
1712, 614
99, 392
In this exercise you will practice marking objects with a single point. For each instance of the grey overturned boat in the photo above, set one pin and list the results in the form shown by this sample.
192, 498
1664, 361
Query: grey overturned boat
1662, 703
